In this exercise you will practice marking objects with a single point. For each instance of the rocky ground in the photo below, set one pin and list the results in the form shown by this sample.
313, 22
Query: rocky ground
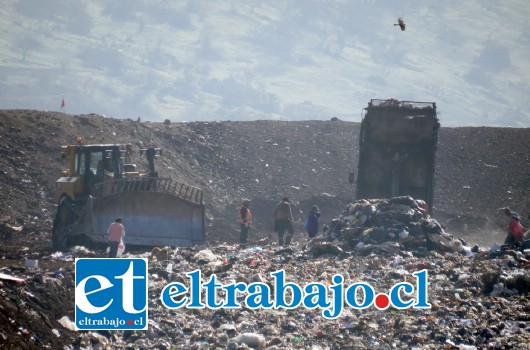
478, 170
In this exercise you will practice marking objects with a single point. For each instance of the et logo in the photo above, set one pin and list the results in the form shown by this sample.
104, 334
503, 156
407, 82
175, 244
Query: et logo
111, 294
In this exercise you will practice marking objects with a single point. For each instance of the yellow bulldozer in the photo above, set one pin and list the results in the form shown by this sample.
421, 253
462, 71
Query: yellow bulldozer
101, 184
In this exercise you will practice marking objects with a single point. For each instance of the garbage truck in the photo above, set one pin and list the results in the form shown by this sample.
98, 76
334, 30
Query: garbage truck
100, 184
397, 148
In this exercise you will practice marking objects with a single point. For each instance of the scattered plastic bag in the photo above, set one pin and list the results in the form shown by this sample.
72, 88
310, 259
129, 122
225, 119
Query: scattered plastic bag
121, 249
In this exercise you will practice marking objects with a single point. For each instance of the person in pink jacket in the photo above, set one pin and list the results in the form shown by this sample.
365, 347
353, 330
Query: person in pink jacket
116, 231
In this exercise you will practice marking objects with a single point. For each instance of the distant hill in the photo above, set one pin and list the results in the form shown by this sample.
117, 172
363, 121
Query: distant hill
249, 60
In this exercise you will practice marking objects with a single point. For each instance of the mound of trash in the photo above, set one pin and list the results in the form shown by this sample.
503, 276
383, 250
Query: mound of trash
475, 301
477, 298
386, 225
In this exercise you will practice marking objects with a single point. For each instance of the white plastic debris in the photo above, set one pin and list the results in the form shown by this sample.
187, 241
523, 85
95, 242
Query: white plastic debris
250, 339
66, 323
32, 264
207, 255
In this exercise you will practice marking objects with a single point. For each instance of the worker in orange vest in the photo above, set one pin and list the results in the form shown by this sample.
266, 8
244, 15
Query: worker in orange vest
245, 220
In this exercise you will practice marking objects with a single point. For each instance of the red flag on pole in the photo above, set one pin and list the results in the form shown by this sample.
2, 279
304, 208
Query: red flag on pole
62, 103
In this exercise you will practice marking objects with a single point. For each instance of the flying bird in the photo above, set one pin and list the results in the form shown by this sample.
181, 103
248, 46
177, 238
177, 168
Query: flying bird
401, 23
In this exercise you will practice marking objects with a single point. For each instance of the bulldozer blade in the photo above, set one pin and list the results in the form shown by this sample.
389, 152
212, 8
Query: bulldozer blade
150, 219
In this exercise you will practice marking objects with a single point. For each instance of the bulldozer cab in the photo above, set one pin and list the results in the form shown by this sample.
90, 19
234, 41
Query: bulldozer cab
98, 164
89, 165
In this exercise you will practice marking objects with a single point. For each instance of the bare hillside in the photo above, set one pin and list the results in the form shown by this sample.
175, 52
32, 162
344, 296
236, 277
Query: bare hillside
478, 169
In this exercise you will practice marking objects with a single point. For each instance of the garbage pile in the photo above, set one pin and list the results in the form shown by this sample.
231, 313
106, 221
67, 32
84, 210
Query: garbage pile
476, 302
386, 226
477, 298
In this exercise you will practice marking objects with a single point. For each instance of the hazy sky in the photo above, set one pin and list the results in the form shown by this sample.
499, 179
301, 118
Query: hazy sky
248, 60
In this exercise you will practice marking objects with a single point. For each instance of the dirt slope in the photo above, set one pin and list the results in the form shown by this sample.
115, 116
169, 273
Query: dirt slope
478, 169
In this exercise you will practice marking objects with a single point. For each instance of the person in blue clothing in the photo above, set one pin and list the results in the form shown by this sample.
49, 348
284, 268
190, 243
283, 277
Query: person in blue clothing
311, 226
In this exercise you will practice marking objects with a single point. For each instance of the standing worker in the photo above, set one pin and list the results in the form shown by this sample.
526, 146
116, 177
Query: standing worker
116, 231
283, 221
245, 220
311, 226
